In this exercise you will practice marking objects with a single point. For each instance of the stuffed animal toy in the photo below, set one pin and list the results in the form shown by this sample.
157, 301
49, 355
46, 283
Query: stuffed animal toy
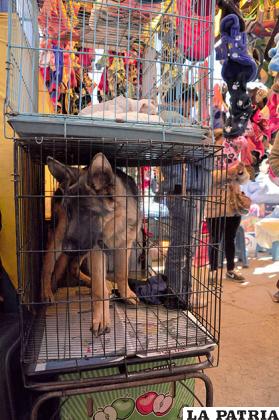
233, 50
273, 53
237, 173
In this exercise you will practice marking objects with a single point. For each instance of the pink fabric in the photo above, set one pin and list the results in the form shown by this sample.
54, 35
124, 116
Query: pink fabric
230, 154
257, 138
262, 123
239, 148
270, 126
87, 57
273, 105
253, 141
257, 116
193, 30
240, 142
246, 152
45, 72
103, 84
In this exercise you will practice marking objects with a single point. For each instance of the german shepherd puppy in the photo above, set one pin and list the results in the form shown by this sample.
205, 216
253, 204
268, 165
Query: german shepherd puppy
97, 210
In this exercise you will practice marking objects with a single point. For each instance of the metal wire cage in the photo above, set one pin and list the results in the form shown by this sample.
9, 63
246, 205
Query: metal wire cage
112, 256
130, 61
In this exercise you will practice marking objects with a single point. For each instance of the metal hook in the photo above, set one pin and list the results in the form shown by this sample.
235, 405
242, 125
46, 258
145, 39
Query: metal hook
39, 140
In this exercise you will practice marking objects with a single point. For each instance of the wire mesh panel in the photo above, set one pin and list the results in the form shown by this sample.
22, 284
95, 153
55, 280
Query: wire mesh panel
112, 254
132, 61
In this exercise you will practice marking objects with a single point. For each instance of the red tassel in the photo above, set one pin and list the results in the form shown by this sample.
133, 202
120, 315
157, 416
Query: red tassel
201, 257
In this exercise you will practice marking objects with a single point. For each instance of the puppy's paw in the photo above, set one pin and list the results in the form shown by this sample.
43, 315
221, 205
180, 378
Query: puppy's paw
130, 297
101, 318
47, 295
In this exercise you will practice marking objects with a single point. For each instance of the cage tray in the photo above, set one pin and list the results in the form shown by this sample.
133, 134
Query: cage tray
63, 334
35, 126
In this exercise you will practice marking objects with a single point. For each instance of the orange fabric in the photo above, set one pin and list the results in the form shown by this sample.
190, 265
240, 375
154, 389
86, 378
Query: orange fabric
218, 98
53, 18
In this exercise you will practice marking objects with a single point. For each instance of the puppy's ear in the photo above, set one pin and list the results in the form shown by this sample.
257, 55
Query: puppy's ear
100, 173
232, 172
60, 171
56, 169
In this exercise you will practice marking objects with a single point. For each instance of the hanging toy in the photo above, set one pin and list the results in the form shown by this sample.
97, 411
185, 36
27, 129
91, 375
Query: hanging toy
273, 53
116, 77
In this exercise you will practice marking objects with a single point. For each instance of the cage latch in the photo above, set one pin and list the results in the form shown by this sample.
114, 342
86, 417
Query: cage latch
39, 140
15, 177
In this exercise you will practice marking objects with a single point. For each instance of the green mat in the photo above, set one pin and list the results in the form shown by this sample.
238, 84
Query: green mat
164, 400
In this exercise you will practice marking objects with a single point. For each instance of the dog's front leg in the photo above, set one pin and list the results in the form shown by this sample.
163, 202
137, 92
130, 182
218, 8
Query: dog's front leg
53, 252
77, 273
122, 258
101, 315
59, 270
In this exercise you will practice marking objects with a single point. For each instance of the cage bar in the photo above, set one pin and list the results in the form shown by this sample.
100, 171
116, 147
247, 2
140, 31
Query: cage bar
131, 66
177, 312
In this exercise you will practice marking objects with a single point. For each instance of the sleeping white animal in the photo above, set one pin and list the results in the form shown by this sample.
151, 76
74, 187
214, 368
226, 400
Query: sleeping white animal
119, 105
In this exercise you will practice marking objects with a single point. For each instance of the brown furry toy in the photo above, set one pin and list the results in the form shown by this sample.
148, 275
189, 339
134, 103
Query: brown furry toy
238, 174
218, 136
251, 172
238, 202
258, 97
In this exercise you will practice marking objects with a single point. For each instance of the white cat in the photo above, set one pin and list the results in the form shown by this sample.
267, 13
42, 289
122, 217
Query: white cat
120, 105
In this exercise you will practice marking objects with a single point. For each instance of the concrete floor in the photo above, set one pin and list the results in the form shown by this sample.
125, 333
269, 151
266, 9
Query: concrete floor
248, 371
